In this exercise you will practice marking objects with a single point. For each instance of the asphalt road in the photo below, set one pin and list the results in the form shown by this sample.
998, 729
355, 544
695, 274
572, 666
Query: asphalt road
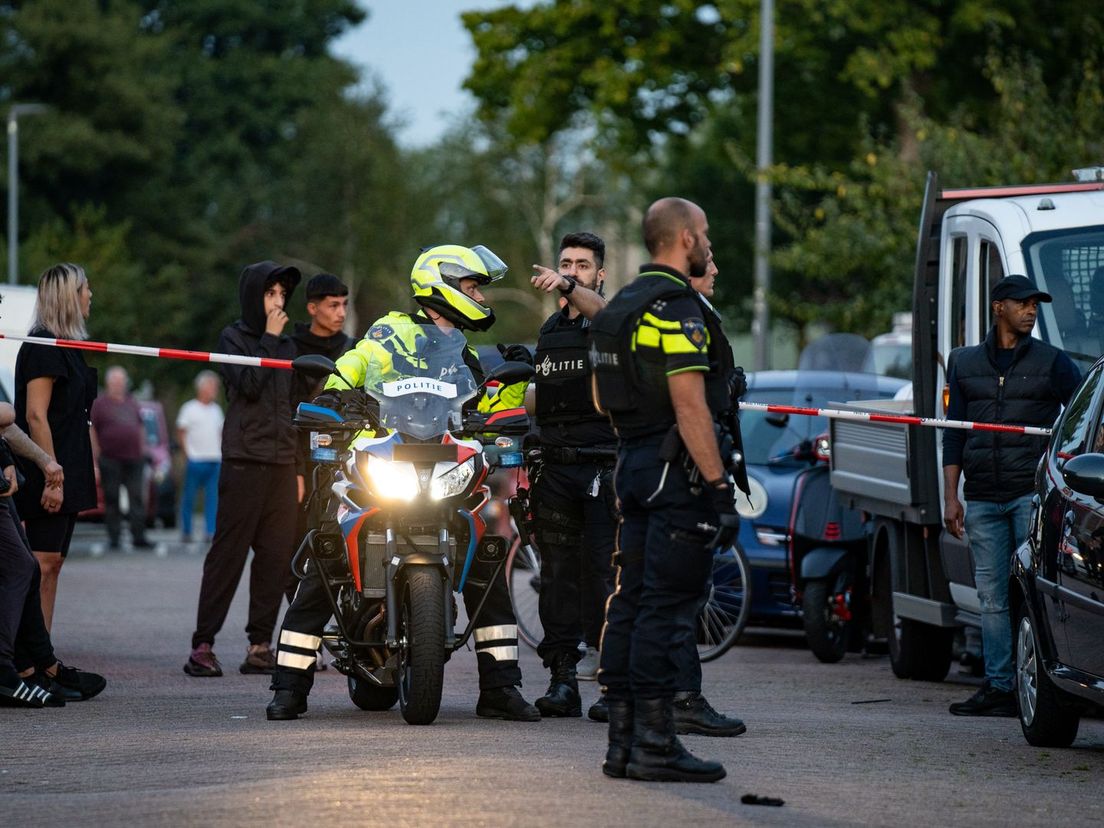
158, 747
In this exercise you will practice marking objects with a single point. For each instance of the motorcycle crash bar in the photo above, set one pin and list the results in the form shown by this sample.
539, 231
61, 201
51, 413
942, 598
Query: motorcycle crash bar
158, 353
869, 417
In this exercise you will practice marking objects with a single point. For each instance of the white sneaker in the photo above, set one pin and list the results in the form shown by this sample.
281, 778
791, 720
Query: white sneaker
587, 668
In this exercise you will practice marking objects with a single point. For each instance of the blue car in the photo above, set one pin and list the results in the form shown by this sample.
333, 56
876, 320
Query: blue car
778, 448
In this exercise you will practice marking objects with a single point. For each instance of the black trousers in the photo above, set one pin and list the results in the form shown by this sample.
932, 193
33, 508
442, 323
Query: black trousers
115, 475
663, 569
495, 636
575, 527
256, 510
24, 641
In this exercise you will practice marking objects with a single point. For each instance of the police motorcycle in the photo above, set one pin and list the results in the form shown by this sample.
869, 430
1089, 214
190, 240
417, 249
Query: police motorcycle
399, 485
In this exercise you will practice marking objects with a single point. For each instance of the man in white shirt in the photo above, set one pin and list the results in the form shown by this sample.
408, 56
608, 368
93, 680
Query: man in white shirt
199, 429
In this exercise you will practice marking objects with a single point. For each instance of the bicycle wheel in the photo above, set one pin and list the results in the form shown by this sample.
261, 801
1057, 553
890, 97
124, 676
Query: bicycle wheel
725, 612
523, 582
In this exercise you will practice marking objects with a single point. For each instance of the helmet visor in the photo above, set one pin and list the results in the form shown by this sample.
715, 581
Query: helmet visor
496, 268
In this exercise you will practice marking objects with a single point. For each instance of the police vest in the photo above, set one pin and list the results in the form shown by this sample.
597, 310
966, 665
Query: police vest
636, 406
563, 374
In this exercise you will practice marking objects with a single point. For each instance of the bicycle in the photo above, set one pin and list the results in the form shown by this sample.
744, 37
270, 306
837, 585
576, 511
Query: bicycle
722, 618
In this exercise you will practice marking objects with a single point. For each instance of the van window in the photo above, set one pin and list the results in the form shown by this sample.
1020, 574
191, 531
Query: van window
1069, 265
991, 271
959, 262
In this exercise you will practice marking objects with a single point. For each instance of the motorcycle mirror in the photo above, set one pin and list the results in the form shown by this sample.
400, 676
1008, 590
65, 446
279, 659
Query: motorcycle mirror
777, 420
318, 366
313, 365
510, 372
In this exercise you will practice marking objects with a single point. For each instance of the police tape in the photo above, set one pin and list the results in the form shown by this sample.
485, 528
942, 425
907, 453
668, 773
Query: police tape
160, 353
903, 419
285, 364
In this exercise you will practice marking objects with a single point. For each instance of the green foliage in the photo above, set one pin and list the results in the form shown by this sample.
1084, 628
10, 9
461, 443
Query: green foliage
853, 232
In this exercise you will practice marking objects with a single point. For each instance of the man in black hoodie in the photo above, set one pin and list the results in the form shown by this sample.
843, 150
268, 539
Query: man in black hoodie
327, 303
257, 488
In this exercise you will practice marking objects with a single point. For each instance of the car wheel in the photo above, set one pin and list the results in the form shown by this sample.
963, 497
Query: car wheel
1046, 718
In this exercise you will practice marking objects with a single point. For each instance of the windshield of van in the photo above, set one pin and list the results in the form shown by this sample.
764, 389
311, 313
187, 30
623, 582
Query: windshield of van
1069, 265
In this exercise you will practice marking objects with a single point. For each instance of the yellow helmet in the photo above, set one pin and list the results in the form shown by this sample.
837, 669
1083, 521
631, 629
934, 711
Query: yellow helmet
436, 277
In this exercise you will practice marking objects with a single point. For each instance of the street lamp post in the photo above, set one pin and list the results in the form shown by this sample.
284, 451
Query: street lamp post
760, 325
14, 111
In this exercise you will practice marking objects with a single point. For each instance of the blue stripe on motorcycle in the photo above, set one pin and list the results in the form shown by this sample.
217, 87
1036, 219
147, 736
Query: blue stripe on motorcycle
471, 548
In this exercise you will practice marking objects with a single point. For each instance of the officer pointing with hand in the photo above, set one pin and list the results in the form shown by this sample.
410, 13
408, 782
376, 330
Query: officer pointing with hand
662, 369
574, 510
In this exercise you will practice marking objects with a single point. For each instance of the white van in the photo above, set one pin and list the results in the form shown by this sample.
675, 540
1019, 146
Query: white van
17, 309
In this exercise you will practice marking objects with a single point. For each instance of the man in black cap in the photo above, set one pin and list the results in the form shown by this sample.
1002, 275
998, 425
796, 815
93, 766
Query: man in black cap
1016, 379
257, 490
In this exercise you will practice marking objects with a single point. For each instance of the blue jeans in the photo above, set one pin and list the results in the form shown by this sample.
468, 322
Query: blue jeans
996, 530
200, 474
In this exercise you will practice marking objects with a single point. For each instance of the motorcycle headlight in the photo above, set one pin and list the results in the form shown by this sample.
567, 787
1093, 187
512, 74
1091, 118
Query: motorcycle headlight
391, 480
757, 504
454, 481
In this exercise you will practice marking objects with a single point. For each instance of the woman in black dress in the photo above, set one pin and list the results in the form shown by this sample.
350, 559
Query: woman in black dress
54, 390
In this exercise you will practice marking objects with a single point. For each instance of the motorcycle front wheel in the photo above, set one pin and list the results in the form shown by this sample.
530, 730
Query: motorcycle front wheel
421, 645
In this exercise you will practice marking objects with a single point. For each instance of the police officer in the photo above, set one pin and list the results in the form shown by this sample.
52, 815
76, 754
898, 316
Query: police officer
446, 282
662, 370
572, 488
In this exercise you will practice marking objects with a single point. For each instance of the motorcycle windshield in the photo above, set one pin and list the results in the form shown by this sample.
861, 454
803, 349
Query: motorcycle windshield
418, 376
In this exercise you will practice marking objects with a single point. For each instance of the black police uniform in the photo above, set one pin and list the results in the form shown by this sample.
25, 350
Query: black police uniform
574, 509
664, 560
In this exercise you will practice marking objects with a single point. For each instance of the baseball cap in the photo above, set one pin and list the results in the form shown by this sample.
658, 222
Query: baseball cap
1017, 287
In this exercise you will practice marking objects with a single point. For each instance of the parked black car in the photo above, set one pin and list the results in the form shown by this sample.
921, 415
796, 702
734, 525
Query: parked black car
1056, 594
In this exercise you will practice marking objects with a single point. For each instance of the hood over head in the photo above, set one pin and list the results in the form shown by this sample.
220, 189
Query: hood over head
254, 280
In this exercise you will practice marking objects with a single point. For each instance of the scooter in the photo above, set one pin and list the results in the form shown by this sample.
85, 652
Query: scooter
828, 563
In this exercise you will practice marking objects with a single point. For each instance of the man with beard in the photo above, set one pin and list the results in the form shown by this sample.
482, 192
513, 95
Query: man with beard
574, 510
662, 370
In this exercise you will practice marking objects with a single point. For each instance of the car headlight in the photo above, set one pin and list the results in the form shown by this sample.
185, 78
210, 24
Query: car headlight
392, 480
756, 505
454, 481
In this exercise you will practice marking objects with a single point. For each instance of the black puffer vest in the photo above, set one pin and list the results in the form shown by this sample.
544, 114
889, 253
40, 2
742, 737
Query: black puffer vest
1001, 467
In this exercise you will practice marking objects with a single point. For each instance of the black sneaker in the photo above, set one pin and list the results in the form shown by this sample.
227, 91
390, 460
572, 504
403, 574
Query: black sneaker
505, 703
23, 693
70, 683
987, 701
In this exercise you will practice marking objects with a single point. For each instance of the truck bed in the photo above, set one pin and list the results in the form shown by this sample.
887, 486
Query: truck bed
871, 464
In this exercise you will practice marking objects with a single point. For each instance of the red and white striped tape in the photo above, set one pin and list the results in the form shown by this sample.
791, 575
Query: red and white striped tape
160, 353
285, 364
903, 419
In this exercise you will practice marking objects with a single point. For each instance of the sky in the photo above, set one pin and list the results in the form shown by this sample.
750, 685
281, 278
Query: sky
421, 53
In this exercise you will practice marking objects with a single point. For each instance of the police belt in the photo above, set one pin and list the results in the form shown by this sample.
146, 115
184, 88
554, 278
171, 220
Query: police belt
572, 455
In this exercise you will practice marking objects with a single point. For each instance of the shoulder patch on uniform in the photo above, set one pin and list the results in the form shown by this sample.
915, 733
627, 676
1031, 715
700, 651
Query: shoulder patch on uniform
381, 332
694, 330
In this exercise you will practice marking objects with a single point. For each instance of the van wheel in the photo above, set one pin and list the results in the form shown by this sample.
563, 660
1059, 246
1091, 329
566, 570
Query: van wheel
1045, 719
916, 651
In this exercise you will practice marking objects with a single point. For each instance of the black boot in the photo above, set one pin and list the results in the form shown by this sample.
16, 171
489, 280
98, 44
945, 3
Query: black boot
286, 705
693, 714
599, 711
562, 698
620, 737
657, 755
